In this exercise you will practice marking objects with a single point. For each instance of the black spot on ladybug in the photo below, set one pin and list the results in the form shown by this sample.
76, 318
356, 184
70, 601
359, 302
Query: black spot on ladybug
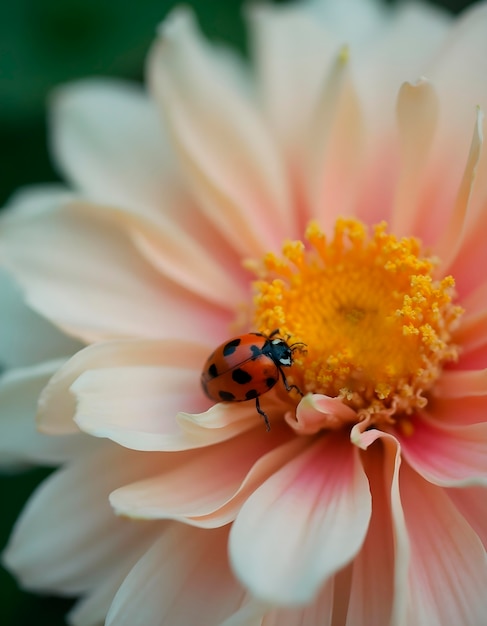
226, 396
231, 346
240, 376
252, 394
212, 371
270, 382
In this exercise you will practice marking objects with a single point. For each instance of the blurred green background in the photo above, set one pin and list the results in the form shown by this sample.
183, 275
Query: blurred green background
44, 43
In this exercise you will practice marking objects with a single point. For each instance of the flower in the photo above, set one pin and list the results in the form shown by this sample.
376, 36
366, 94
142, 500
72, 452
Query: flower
328, 199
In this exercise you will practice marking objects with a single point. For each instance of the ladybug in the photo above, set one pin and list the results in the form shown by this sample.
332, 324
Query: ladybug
247, 366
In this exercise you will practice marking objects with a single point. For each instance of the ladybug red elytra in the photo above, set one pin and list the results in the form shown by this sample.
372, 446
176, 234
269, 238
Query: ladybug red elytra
247, 366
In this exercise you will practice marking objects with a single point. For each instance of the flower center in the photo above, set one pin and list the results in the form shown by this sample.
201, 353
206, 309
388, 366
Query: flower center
376, 324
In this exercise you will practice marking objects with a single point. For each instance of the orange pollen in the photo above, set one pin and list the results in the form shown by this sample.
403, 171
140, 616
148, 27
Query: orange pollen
377, 325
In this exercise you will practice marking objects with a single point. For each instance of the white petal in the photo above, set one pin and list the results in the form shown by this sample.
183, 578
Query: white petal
334, 145
129, 404
234, 168
79, 269
67, 538
457, 70
109, 142
182, 580
417, 114
57, 404
289, 42
25, 337
20, 442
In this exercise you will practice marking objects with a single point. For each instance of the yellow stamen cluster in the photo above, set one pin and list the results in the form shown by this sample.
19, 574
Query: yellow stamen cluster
377, 325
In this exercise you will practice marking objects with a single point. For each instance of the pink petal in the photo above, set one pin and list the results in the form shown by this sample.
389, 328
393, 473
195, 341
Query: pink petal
472, 332
461, 384
448, 570
459, 411
78, 268
317, 412
444, 454
471, 257
20, 442
451, 242
373, 569
234, 169
471, 502
67, 538
57, 405
215, 498
182, 579
302, 524
391, 464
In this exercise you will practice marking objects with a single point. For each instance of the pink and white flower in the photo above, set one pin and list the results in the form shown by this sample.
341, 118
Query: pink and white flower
365, 503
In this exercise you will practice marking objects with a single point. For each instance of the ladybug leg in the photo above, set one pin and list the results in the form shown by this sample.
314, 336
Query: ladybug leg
288, 386
264, 415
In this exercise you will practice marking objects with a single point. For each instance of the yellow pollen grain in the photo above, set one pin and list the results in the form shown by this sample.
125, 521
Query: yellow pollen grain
376, 322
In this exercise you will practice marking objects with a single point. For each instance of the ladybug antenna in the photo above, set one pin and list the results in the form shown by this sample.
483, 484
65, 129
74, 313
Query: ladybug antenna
299, 345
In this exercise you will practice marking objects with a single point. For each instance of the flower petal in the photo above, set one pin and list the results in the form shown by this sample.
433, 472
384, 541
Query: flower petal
417, 113
447, 455
79, 269
472, 332
216, 496
302, 524
457, 70
452, 240
461, 384
108, 140
137, 406
105, 364
334, 146
391, 466
26, 337
448, 569
182, 579
317, 412
67, 539
93, 606
472, 504
373, 581
20, 443
234, 169
459, 411
289, 41
93, 122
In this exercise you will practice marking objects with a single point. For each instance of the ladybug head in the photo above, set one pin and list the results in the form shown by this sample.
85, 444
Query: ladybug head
280, 352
